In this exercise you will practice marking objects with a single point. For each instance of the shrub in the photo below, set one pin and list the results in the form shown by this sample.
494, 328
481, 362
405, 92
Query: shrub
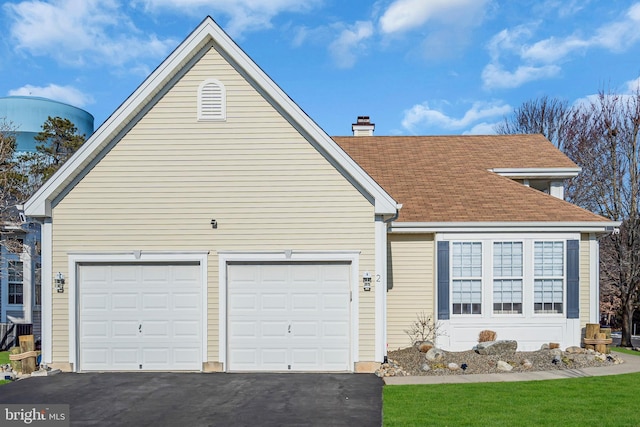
424, 328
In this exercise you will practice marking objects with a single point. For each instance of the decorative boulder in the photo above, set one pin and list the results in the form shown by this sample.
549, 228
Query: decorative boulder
435, 355
491, 348
504, 366
527, 364
574, 350
425, 367
453, 366
425, 346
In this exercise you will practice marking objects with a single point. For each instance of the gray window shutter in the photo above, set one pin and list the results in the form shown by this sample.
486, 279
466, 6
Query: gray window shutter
443, 280
573, 279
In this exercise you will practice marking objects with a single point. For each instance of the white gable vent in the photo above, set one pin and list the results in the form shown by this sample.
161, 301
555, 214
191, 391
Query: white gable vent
212, 100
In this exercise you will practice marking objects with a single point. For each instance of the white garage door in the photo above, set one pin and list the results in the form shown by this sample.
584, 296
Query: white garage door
288, 317
140, 317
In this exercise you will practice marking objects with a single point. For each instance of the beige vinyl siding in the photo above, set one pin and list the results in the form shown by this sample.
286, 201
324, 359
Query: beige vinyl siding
162, 184
411, 261
585, 278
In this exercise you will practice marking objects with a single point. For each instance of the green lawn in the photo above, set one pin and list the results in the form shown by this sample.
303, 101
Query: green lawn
625, 351
601, 401
4, 359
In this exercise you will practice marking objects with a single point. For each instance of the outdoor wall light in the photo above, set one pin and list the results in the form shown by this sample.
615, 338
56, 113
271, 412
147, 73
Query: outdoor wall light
59, 282
214, 223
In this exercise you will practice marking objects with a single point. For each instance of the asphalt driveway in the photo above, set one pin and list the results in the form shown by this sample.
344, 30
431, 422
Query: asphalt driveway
182, 399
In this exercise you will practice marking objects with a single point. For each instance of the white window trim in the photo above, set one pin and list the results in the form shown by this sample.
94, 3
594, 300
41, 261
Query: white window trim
562, 314
521, 278
468, 278
223, 107
288, 256
528, 240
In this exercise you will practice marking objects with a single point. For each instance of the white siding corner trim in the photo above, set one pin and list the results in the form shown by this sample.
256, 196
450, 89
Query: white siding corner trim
287, 256
133, 257
212, 101
380, 287
47, 291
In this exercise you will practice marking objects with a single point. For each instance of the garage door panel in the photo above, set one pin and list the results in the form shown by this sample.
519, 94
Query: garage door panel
335, 330
124, 329
273, 329
247, 303
302, 329
149, 318
286, 329
187, 301
124, 301
304, 302
155, 301
273, 301
244, 329
98, 302
95, 330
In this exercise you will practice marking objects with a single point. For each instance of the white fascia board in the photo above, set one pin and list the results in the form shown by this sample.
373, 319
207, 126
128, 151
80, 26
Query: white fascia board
39, 205
539, 173
474, 227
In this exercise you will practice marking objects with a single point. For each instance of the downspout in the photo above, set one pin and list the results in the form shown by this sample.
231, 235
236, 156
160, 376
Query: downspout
384, 310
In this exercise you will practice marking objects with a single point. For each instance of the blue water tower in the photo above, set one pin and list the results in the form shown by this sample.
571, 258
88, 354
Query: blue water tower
28, 113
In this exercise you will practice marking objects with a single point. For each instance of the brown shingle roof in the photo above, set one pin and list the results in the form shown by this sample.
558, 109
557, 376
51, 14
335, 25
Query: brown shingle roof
447, 178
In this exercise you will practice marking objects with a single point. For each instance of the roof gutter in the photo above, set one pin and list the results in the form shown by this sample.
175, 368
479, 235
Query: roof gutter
467, 227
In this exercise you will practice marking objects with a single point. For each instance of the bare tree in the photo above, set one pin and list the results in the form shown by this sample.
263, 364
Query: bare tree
603, 139
544, 115
601, 136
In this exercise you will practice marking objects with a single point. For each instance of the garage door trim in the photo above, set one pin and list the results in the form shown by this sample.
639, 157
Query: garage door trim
133, 257
288, 256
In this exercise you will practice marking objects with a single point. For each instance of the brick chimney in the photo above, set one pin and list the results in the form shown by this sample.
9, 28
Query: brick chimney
363, 127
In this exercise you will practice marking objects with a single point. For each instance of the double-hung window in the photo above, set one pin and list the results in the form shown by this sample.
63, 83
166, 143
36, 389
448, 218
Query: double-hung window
548, 272
16, 291
467, 278
507, 277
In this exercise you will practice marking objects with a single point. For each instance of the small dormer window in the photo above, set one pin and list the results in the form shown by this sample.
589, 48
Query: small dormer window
212, 101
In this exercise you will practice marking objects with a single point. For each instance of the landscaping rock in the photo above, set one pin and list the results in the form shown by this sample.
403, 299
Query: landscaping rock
601, 357
435, 355
425, 367
8, 375
544, 346
574, 350
425, 346
527, 364
453, 366
504, 366
490, 348
556, 352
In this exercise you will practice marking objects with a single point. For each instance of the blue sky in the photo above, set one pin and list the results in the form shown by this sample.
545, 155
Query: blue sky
425, 67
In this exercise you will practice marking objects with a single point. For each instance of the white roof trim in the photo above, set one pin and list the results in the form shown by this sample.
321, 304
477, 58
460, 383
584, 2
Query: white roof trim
39, 205
464, 227
537, 172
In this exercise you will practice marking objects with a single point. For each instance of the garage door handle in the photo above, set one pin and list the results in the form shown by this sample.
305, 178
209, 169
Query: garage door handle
140, 328
289, 330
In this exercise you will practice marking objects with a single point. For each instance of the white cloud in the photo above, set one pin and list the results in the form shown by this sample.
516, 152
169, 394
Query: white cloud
77, 32
422, 115
633, 86
496, 77
345, 48
540, 59
66, 94
483, 128
405, 15
244, 15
